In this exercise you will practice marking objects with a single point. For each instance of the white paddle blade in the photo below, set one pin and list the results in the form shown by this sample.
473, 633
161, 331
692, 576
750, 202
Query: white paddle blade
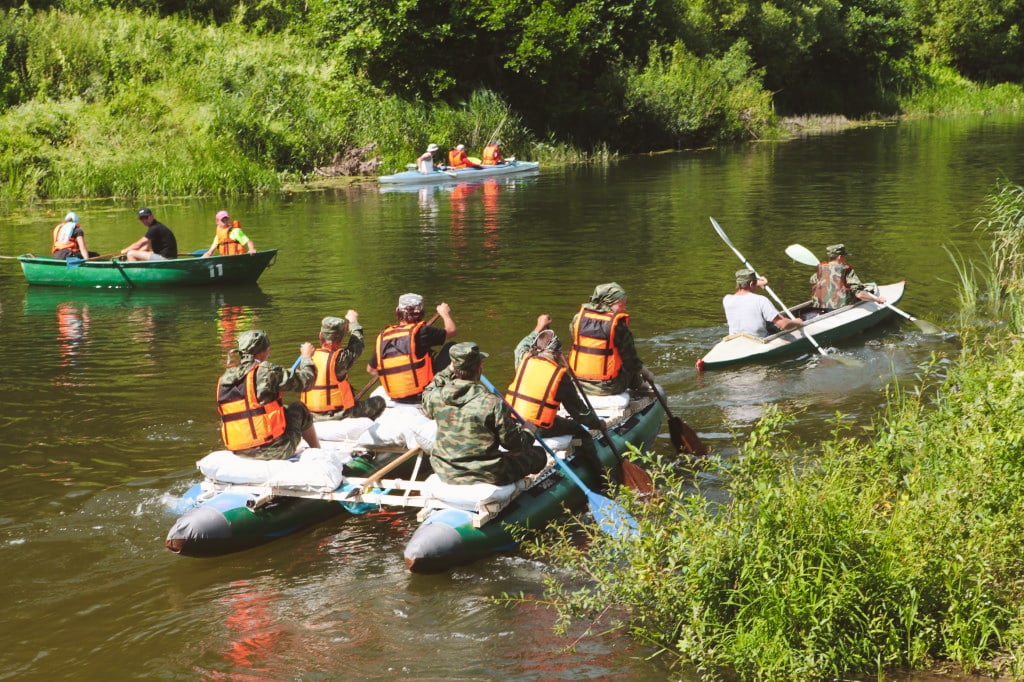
801, 254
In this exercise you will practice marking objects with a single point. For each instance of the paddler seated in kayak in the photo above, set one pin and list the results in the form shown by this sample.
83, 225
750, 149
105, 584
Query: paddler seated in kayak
542, 385
835, 284
457, 158
473, 423
603, 354
425, 162
491, 155
402, 357
69, 239
229, 240
750, 313
331, 396
254, 420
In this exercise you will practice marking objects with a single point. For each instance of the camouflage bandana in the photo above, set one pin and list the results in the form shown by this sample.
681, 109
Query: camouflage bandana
605, 295
253, 342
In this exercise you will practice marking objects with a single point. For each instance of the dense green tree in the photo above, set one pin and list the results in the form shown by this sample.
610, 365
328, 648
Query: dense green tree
981, 38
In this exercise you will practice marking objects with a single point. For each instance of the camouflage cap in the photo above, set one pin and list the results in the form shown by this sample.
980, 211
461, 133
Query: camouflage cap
466, 355
835, 250
253, 341
745, 277
607, 294
333, 328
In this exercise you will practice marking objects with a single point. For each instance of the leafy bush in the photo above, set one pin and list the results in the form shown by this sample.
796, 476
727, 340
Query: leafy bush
690, 100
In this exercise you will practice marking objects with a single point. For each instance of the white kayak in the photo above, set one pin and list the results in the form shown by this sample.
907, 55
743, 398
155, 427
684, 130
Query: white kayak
414, 177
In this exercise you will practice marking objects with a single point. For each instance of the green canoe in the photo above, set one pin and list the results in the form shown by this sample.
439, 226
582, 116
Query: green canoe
185, 271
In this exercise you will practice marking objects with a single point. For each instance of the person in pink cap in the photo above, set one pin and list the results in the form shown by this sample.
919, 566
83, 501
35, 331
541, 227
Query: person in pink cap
229, 239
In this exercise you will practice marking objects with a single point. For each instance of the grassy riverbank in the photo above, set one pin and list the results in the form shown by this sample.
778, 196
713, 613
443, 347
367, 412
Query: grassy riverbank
901, 548
117, 103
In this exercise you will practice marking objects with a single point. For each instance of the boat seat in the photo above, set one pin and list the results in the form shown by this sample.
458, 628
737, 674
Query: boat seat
744, 335
317, 470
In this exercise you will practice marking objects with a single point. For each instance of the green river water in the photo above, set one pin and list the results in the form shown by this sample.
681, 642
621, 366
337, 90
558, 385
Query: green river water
109, 395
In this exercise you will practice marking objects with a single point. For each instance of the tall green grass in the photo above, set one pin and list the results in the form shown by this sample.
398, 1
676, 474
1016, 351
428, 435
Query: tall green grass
901, 548
941, 90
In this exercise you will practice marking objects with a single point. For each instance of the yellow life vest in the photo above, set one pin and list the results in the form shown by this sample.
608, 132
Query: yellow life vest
402, 374
245, 423
328, 393
593, 355
226, 246
532, 392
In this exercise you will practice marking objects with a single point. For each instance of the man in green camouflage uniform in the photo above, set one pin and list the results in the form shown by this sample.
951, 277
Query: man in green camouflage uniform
835, 284
472, 423
332, 331
271, 379
611, 297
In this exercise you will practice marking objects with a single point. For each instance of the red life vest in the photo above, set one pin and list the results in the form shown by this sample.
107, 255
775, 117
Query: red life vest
244, 422
328, 393
593, 355
226, 246
402, 373
69, 243
532, 393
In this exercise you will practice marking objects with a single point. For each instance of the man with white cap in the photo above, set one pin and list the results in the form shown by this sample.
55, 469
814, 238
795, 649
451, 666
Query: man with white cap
229, 240
457, 158
425, 163
69, 239
402, 355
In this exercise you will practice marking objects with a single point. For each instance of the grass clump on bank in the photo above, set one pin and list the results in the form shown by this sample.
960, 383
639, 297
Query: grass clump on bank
851, 557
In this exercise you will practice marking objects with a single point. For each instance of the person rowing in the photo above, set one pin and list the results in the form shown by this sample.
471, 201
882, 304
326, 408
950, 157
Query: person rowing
750, 313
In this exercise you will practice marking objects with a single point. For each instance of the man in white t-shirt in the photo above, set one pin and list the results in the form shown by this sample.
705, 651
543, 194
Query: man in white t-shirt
750, 313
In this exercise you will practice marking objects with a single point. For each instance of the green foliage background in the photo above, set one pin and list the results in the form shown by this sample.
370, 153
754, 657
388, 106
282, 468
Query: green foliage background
126, 98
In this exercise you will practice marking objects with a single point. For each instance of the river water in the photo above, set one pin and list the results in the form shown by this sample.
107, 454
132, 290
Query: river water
108, 398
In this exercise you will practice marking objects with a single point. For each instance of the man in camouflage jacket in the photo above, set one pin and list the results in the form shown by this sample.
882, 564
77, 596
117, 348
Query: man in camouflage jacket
271, 380
472, 423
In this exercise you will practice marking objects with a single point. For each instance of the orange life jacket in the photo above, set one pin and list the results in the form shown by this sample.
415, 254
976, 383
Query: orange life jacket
244, 422
491, 155
532, 392
328, 393
401, 373
226, 246
60, 242
593, 355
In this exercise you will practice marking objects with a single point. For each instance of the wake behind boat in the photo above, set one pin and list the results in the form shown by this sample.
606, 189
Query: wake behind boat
826, 329
111, 272
414, 177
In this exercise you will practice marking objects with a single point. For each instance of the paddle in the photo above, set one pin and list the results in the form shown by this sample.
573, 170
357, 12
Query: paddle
611, 517
116, 260
785, 310
801, 254
632, 475
380, 473
682, 436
